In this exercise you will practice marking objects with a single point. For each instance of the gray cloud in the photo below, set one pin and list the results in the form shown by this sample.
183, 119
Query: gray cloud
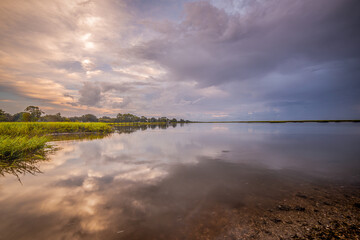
212, 46
275, 59
71, 66
90, 94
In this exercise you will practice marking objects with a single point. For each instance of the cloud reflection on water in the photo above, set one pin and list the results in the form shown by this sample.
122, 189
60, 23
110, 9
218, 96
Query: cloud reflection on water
154, 184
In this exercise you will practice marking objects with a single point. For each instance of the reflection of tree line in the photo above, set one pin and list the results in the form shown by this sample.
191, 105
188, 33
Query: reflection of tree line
118, 129
18, 167
131, 129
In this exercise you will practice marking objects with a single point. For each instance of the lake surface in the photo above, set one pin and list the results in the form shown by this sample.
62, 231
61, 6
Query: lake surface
170, 183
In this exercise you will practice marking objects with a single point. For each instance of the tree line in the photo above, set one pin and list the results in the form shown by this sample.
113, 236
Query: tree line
35, 114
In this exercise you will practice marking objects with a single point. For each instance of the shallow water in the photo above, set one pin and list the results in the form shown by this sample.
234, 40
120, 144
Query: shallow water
157, 183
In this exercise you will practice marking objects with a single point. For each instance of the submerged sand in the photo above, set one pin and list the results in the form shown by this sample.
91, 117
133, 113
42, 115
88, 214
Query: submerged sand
309, 212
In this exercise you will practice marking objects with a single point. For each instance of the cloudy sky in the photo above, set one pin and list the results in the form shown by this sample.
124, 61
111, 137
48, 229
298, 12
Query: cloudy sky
199, 60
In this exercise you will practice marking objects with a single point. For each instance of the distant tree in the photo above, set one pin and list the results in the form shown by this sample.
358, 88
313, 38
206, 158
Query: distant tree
35, 113
16, 117
26, 117
75, 119
21, 117
58, 116
106, 119
52, 118
131, 118
89, 118
4, 117
163, 119
127, 117
143, 119
119, 118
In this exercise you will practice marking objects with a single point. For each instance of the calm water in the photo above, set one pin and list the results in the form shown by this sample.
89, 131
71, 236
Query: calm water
155, 183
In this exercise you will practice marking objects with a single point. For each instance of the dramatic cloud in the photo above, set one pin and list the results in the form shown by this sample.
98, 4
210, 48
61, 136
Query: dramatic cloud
193, 59
212, 46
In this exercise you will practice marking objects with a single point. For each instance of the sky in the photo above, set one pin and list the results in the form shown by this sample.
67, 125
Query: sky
198, 60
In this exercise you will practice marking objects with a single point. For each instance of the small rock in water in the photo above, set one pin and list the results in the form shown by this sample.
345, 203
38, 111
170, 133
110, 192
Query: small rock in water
276, 220
284, 208
301, 196
299, 208
357, 205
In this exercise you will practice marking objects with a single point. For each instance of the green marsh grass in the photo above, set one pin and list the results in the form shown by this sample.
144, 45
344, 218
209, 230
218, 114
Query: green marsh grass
42, 128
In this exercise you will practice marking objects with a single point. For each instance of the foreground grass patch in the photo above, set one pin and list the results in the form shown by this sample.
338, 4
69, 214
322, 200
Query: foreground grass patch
14, 148
19, 155
40, 128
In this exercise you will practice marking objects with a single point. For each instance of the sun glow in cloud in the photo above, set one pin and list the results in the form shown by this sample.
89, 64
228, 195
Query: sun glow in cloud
91, 21
89, 45
85, 37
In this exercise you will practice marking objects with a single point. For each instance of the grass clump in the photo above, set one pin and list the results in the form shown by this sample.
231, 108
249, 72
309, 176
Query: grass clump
16, 148
20, 155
